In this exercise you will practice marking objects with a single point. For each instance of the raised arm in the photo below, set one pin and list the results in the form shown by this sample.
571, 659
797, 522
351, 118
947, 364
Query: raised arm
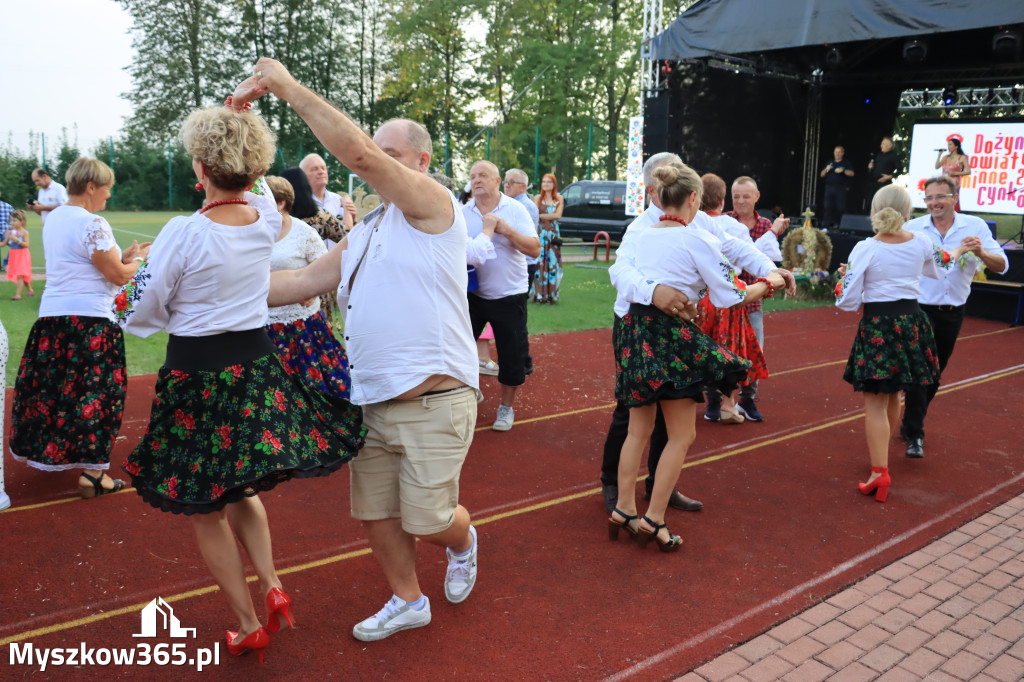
424, 202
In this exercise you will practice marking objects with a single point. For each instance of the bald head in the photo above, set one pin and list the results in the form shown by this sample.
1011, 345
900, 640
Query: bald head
407, 142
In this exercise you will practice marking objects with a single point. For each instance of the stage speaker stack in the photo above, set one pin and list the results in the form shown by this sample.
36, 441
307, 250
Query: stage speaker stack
852, 229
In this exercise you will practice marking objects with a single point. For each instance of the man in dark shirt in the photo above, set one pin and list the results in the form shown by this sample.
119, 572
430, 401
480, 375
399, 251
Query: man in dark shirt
837, 176
884, 167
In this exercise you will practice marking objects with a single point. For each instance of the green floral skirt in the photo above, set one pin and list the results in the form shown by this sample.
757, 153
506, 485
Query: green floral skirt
217, 436
666, 358
894, 349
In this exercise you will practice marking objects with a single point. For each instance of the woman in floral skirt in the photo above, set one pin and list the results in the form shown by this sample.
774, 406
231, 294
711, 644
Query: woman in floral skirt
228, 420
665, 360
300, 332
69, 393
894, 347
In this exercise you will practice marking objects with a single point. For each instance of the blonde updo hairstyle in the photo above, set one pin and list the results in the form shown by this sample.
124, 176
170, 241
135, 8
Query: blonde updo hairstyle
236, 148
83, 171
676, 182
890, 208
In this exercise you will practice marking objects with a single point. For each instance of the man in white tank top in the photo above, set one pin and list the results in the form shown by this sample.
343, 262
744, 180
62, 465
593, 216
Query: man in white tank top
412, 355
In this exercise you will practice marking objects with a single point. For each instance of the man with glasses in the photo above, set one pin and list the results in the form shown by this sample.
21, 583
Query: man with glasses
515, 188
943, 299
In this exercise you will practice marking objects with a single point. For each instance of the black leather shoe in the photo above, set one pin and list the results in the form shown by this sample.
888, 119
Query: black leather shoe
611, 497
680, 501
915, 448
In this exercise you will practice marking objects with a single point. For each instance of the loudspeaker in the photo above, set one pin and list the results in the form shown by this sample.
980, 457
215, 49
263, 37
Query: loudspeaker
854, 224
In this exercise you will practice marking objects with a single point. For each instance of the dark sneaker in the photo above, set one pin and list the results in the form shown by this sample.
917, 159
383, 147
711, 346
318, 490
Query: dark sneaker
713, 412
749, 410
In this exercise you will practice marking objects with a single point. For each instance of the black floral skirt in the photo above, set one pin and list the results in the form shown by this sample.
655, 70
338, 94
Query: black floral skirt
216, 436
308, 348
69, 394
665, 358
894, 349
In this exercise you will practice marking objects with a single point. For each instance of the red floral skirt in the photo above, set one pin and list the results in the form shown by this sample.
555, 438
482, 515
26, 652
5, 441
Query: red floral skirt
731, 328
308, 348
69, 394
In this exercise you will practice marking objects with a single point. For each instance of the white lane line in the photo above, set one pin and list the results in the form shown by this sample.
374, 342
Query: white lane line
796, 591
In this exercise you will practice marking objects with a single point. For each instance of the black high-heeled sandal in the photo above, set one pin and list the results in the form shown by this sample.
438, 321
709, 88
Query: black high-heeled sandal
643, 536
97, 488
614, 526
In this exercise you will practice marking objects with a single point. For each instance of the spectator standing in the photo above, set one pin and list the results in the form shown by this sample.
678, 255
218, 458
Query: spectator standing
516, 183
549, 265
501, 296
19, 267
341, 207
5, 224
51, 194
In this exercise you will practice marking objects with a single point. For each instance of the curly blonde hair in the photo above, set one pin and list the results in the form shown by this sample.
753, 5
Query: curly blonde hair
890, 208
676, 182
236, 148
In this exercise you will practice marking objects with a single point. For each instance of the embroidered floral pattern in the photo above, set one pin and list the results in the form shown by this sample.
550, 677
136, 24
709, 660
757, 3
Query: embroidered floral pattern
891, 353
308, 348
131, 293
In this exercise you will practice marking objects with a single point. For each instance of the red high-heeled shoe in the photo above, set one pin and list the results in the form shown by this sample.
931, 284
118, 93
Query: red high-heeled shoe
279, 606
258, 640
881, 484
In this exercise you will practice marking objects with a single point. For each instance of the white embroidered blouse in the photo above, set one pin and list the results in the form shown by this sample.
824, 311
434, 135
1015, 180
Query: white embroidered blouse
300, 247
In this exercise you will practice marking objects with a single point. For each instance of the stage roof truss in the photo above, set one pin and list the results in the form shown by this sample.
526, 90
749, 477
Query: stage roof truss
966, 98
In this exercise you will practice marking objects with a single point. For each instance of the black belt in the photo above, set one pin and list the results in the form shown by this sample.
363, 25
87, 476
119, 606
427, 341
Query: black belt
443, 390
641, 309
211, 353
904, 306
944, 306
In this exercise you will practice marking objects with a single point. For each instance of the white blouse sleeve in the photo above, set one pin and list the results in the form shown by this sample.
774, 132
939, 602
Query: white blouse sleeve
725, 288
141, 307
261, 198
98, 236
850, 289
768, 244
313, 246
935, 259
627, 280
479, 250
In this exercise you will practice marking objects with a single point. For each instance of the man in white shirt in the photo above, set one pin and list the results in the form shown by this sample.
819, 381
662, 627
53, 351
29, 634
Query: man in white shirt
633, 287
315, 168
501, 296
402, 273
516, 182
943, 300
51, 194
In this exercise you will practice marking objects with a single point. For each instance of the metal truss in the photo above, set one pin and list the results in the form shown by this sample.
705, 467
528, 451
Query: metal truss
966, 98
650, 73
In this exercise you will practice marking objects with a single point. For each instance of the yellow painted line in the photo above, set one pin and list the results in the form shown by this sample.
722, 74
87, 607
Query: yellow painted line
67, 625
553, 416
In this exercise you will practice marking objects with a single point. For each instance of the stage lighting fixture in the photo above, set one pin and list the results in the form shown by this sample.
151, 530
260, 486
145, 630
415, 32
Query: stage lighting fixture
833, 57
949, 96
1006, 43
915, 51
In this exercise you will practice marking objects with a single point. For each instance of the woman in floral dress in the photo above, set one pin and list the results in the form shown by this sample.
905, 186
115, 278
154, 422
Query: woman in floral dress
228, 420
549, 265
894, 347
665, 360
69, 393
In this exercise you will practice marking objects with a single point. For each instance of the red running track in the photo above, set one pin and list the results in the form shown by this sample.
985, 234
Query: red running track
783, 528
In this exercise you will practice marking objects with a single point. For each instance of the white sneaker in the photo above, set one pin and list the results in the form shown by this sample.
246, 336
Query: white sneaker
506, 417
479, 396
490, 368
5, 500
395, 616
461, 575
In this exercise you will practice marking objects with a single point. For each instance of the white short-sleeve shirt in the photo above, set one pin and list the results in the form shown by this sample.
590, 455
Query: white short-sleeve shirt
73, 284
54, 195
505, 275
331, 203
297, 249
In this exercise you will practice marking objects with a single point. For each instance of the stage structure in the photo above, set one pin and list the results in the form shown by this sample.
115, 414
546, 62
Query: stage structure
745, 87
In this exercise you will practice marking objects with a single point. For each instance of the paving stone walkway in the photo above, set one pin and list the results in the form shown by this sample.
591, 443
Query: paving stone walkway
953, 610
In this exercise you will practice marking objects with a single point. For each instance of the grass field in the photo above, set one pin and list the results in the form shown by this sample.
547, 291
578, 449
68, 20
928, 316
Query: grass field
586, 298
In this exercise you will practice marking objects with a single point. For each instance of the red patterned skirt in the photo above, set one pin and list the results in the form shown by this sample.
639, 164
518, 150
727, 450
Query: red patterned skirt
731, 328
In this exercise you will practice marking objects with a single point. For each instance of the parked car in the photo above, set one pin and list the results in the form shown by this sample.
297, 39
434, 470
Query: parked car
593, 206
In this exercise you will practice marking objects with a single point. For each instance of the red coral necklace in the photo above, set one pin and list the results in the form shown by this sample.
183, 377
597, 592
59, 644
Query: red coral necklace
210, 205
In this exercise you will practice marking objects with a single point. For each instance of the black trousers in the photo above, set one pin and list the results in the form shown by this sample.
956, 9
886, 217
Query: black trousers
946, 323
835, 204
619, 429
